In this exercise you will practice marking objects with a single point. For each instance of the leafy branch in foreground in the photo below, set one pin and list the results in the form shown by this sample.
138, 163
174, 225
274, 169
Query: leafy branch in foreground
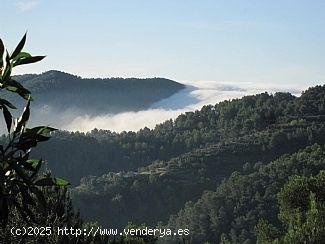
20, 179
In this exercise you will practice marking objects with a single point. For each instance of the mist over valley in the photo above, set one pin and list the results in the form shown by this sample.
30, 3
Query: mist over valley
72, 103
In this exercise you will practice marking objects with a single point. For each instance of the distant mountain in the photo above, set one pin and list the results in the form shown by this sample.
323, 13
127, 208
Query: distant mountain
59, 90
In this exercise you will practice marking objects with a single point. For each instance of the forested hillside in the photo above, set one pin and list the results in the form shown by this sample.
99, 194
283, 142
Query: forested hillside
147, 176
70, 154
232, 212
170, 184
60, 91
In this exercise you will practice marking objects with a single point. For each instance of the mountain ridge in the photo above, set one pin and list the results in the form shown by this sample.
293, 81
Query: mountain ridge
53, 76
57, 94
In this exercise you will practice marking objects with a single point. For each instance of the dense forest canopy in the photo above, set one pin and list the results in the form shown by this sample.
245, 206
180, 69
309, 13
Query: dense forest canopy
150, 175
233, 210
226, 121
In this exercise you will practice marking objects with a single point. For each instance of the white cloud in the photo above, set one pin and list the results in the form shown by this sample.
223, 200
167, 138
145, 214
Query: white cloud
194, 97
26, 5
128, 121
208, 92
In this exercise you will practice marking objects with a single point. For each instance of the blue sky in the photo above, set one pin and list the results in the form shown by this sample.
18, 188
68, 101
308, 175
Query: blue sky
278, 41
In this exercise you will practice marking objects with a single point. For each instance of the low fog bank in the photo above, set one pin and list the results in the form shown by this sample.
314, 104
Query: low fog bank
193, 97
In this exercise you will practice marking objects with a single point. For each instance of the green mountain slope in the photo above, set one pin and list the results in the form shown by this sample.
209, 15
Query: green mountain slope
71, 154
233, 210
154, 192
216, 146
61, 91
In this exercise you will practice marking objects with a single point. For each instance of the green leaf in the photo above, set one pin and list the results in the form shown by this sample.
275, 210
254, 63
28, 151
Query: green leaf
6, 103
7, 70
19, 47
16, 87
51, 182
45, 182
40, 130
37, 165
23, 118
31, 164
30, 137
38, 133
8, 117
22, 55
28, 141
34, 162
28, 60
2, 50
61, 182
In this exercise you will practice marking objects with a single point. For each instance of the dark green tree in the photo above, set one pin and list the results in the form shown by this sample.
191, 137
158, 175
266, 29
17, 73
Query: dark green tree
21, 183
302, 211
